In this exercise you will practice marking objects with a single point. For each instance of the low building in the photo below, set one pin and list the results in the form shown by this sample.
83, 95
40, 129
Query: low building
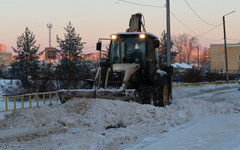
50, 52
217, 58
50, 55
5, 59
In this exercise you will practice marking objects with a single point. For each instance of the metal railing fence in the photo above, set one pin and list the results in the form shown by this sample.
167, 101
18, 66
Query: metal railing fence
9, 103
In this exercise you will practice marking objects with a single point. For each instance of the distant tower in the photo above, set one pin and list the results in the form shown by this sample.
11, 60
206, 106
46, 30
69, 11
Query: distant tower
49, 25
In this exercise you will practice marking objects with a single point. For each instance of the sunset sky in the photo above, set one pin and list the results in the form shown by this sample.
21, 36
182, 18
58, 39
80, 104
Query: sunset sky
100, 18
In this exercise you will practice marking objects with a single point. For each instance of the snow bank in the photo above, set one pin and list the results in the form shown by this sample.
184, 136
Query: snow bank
3, 115
183, 91
103, 124
9, 86
101, 114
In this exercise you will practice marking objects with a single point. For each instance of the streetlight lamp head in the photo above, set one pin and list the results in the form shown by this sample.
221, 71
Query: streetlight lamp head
229, 13
49, 25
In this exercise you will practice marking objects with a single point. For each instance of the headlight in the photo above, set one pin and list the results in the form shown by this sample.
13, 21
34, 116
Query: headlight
113, 37
142, 36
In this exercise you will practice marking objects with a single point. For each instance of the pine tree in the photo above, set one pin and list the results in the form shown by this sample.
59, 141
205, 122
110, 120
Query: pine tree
27, 64
72, 68
163, 49
71, 46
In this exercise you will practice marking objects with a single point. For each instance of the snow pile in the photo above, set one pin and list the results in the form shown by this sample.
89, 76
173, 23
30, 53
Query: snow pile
101, 114
10, 86
102, 124
3, 115
182, 65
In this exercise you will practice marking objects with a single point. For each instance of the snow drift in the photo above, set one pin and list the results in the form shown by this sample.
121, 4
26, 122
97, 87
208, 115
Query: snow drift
100, 124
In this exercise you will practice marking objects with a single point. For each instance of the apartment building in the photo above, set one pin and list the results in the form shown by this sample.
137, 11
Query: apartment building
217, 58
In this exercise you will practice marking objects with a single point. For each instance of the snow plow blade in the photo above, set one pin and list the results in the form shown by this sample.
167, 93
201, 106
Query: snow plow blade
125, 95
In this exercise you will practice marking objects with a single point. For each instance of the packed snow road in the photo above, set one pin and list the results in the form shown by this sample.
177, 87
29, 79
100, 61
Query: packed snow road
219, 96
211, 93
220, 131
98, 124
215, 132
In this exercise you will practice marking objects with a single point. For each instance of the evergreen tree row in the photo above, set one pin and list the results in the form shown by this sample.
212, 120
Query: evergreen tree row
40, 77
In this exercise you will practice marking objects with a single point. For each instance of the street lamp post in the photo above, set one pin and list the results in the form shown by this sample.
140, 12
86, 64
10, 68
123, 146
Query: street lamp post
225, 46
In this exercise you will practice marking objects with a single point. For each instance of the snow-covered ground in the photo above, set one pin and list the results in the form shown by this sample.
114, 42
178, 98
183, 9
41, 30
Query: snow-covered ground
213, 132
203, 117
9, 86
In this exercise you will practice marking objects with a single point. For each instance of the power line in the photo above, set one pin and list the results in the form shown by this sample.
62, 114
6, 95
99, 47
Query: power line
218, 40
90, 47
233, 39
184, 24
193, 30
133, 3
211, 29
198, 15
161, 1
198, 35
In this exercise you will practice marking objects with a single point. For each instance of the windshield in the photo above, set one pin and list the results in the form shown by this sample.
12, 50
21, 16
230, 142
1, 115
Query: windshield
132, 50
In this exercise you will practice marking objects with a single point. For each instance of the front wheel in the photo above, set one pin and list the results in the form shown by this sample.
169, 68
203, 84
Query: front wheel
162, 93
146, 95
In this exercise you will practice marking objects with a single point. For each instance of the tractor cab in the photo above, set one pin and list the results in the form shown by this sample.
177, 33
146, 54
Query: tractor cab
136, 47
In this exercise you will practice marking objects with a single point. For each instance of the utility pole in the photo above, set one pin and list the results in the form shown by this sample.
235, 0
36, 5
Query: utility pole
168, 33
180, 55
198, 56
225, 46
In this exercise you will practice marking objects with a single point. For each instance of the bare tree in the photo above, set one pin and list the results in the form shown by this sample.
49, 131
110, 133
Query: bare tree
180, 44
204, 60
185, 44
192, 43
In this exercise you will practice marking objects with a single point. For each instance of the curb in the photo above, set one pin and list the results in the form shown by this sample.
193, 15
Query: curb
204, 83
